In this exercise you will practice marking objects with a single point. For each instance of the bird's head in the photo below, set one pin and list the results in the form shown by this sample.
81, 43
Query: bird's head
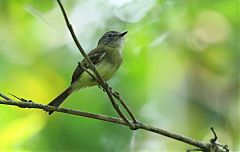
112, 39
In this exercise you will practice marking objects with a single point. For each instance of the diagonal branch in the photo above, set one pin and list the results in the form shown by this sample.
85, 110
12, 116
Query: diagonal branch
92, 67
118, 97
203, 146
115, 94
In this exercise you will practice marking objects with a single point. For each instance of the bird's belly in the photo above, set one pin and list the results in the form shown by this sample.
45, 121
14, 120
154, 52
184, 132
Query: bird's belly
105, 69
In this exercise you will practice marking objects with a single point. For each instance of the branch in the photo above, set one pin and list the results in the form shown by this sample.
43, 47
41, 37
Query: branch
115, 94
101, 82
203, 146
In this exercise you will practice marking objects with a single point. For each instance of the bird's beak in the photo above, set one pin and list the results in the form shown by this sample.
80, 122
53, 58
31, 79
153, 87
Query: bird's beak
122, 34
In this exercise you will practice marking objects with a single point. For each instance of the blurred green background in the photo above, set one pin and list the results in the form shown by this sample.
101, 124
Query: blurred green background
180, 73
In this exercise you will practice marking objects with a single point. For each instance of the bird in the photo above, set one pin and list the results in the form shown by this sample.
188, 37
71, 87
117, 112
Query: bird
106, 57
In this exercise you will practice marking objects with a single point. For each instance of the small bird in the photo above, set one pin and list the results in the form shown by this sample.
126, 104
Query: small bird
106, 57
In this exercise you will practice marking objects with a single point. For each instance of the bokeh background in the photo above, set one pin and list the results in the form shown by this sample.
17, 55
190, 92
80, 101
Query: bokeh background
180, 73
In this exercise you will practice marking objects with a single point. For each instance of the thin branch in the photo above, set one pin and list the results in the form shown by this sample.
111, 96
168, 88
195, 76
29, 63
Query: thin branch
4, 97
214, 145
139, 125
92, 67
115, 94
194, 150
21, 99
214, 139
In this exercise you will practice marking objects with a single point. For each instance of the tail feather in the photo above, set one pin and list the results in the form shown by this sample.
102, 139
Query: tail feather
60, 98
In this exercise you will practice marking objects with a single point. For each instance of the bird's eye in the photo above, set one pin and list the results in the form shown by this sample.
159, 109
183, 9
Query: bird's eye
109, 35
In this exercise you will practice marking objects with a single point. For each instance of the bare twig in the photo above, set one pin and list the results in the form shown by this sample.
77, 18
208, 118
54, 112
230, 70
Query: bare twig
4, 97
214, 145
194, 150
21, 99
117, 96
89, 72
214, 139
140, 125
92, 67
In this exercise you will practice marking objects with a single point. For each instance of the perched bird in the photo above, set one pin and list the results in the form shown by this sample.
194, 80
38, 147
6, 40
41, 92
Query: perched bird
106, 57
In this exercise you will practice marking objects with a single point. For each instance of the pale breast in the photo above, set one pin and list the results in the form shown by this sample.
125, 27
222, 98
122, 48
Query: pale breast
106, 68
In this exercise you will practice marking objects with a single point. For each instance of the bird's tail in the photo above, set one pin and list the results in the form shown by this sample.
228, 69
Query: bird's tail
60, 98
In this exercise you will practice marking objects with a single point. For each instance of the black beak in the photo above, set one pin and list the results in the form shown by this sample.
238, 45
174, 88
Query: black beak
122, 34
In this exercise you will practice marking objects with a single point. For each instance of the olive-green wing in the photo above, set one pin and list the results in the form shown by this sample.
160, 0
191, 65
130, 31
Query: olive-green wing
95, 56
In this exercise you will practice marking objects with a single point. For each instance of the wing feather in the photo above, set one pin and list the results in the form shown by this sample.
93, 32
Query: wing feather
95, 56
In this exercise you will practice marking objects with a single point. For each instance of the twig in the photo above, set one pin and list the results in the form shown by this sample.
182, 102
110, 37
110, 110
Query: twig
92, 67
214, 145
89, 72
214, 139
4, 97
21, 99
140, 125
117, 96
195, 149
